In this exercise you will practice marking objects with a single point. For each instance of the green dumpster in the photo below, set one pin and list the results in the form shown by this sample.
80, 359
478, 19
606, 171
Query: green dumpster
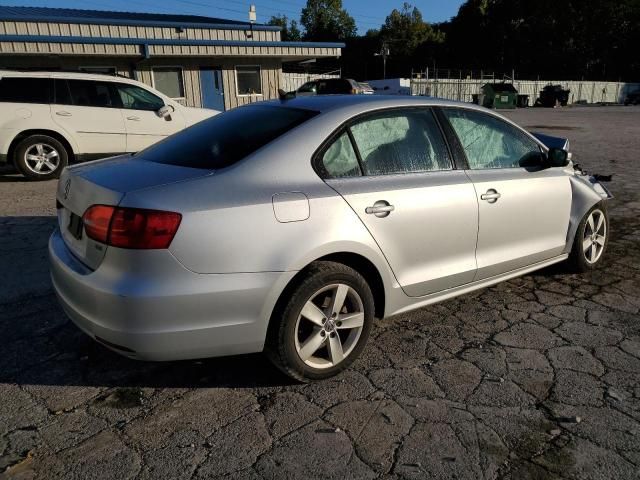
499, 95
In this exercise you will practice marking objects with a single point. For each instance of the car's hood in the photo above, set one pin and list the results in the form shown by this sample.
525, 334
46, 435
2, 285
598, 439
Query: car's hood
552, 142
194, 115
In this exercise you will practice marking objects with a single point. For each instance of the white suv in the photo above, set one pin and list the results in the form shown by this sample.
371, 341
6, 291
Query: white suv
49, 119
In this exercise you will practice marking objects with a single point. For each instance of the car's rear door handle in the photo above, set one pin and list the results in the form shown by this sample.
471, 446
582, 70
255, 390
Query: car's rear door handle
133, 118
63, 113
380, 209
491, 196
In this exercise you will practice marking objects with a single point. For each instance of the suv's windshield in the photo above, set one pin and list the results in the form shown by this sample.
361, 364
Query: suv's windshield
228, 137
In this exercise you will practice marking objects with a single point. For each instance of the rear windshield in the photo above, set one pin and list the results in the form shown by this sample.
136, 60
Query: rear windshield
228, 137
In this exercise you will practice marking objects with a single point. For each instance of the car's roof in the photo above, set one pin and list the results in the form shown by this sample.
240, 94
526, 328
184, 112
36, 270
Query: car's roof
356, 104
60, 74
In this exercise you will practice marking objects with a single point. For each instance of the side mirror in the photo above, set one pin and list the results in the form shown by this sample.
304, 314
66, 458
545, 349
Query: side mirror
557, 157
165, 111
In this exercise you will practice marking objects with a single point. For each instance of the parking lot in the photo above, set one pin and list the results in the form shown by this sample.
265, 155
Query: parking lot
538, 377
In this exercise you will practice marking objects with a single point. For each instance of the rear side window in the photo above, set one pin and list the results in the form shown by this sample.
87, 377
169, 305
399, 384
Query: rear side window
340, 159
401, 141
332, 87
227, 138
25, 90
89, 93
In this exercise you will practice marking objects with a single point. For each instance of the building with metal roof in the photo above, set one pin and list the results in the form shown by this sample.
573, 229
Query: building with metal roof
200, 61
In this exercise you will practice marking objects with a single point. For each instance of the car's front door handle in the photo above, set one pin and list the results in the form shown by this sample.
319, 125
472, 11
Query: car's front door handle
380, 209
491, 196
133, 118
63, 113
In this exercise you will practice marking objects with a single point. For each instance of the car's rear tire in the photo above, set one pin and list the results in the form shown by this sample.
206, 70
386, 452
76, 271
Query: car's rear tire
590, 242
323, 323
40, 157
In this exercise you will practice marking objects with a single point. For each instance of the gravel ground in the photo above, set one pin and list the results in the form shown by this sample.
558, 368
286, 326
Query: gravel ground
538, 377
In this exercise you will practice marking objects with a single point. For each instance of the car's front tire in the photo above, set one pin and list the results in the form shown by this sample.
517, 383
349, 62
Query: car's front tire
323, 324
40, 157
591, 240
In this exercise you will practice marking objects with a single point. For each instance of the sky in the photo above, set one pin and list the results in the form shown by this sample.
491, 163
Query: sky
367, 13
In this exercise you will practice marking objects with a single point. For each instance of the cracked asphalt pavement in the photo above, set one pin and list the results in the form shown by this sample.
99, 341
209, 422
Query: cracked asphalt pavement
538, 377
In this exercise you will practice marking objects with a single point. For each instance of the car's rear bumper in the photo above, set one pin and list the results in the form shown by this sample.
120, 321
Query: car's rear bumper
167, 312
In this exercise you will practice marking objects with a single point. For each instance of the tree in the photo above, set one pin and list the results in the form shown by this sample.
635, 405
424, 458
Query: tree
405, 31
326, 20
289, 29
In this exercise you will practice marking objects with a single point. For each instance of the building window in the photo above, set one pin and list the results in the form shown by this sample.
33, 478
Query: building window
248, 80
168, 80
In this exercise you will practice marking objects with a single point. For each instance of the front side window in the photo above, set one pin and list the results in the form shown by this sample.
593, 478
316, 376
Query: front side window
309, 87
248, 80
489, 142
89, 93
136, 98
340, 159
227, 138
169, 81
25, 90
401, 142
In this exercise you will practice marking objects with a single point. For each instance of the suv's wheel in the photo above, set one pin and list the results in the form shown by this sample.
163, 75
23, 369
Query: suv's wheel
40, 157
323, 325
591, 240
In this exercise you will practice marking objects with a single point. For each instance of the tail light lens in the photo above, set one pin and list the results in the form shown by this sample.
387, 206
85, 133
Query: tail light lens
96, 222
131, 227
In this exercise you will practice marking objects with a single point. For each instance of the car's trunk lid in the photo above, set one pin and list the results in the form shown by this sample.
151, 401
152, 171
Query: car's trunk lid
105, 182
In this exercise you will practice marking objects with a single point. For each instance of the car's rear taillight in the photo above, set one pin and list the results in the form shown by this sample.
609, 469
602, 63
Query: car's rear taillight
131, 227
96, 222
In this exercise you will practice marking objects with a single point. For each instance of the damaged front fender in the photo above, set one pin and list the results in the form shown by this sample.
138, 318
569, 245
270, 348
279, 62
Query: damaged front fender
586, 192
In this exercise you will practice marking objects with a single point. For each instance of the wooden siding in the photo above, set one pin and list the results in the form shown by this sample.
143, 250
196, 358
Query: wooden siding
270, 71
23, 62
45, 48
242, 51
42, 48
122, 31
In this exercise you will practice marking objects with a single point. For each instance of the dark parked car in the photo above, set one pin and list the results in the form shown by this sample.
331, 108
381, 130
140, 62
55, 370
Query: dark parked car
553, 96
329, 86
632, 98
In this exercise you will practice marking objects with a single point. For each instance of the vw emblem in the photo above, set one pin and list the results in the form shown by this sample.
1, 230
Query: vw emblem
67, 188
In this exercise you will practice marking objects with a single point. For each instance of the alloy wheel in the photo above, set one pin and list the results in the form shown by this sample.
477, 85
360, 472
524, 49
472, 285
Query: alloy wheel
329, 326
42, 158
595, 235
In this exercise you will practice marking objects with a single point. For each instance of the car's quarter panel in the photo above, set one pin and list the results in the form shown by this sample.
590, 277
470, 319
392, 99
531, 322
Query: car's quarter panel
429, 239
229, 226
527, 224
16, 118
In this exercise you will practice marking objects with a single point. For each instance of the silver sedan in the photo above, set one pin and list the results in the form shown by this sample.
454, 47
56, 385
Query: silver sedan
289, 226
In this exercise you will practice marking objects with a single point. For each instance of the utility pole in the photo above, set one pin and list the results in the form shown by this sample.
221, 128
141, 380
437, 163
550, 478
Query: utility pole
384, 53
